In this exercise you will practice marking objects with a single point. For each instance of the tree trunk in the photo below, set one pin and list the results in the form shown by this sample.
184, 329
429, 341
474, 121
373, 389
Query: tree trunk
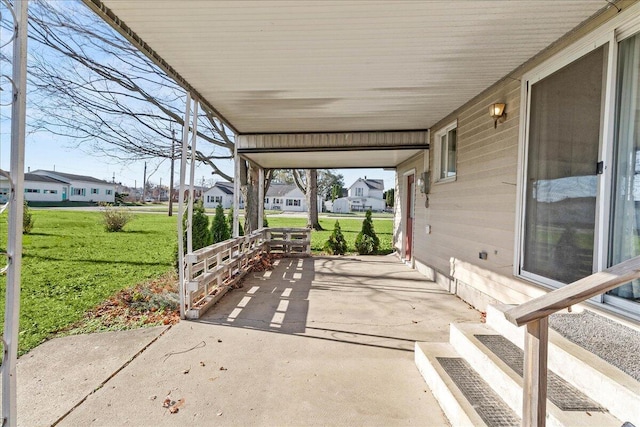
312, 199
249, 188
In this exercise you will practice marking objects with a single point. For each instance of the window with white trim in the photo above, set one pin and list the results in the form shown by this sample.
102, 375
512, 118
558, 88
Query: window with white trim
446, 153
78, 191
95, 191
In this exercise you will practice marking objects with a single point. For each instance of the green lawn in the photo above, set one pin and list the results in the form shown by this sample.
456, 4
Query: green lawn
350, 228
71, 264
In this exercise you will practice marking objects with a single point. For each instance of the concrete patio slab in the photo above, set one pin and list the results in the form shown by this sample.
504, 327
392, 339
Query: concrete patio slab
60, 373
316, 341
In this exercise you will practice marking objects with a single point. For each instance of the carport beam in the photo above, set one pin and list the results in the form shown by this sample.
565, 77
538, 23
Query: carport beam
260, 198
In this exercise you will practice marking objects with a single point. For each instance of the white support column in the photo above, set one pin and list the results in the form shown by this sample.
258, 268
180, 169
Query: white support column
260, 198
192, 174
236, 194
16, 208
183, 173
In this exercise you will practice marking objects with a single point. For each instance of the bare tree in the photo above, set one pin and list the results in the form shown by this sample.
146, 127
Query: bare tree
90, 85
308, 184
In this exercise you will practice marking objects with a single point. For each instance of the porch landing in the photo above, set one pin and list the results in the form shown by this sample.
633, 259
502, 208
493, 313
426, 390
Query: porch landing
316, 341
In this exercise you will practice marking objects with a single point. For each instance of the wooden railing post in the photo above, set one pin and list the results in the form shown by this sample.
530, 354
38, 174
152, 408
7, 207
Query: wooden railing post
534, 393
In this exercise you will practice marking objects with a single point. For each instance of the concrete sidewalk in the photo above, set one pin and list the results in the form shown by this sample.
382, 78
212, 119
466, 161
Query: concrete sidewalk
316, 341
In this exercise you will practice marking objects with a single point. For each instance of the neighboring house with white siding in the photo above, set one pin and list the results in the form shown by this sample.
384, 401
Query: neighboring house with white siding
364, 194
221, 193
285, 197
49, 186
81, 188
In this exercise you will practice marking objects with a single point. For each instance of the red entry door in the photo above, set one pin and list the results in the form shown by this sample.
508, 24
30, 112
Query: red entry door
408, 235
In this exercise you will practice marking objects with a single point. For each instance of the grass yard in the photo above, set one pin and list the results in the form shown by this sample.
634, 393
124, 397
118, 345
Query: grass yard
350, 228
70, 265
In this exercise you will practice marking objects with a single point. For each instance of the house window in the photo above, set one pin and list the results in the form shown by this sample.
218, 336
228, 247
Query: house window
266, 200
293, 202
79, 191
108, 192
277, 201
95, 191
217, 199
31, 190
50, 191
446, 150
359, 191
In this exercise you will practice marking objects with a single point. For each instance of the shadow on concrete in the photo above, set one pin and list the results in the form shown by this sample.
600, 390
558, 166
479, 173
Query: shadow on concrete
367, 301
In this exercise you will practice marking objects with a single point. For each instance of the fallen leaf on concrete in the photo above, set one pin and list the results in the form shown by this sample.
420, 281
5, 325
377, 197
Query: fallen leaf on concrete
167, 402
219, 413
174, 409
222, 368
186, 371
213, 379
154, 397
414, 321
202, 363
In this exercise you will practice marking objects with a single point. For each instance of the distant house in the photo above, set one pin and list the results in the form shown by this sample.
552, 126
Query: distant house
81, 188
364, 194
285, 197
50, 186
221, 193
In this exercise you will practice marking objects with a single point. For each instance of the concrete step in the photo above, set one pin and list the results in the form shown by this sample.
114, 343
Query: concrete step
499, 363
601, 381
464, 397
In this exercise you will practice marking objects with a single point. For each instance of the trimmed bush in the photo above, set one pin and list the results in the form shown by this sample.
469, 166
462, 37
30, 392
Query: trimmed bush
115, 218
336, 245
200, 227
230, 219
27, 219
367, 242
220, 230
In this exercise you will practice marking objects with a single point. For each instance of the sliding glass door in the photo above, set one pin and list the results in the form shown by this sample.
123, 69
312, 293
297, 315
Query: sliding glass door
625, 215
565, 117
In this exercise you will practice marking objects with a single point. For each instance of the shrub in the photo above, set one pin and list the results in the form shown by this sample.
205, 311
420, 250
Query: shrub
367, 242
115, 218
200, 233
265, 223
27, 219
230, 219
201, 236
336, 245
220, 230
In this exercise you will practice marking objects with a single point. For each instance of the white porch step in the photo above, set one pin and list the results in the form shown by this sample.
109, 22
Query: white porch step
452, 400
508, 384
601, 381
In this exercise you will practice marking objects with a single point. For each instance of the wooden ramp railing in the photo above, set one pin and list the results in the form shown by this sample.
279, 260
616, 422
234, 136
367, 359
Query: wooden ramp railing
211, 271
535, 315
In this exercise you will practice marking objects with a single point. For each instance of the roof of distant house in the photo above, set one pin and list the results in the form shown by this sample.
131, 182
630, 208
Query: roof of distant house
71, 176
373, 184
277, 190
41, 178
226, 187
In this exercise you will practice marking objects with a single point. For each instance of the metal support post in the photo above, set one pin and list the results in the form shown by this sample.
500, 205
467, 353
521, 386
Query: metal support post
260, 198
16, 208
236, 194
192, 174
183, 172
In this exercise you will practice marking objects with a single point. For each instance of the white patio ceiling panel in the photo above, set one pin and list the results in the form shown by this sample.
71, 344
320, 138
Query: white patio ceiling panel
335, 66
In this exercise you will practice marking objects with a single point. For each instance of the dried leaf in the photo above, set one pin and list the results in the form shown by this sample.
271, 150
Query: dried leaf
186, 371
222, 368
167, 402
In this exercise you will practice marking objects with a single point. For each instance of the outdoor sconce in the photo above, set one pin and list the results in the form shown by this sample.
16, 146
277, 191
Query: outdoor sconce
423, 183
496, 111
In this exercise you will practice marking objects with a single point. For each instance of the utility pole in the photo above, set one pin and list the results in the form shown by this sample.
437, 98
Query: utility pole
173, 158
144, 184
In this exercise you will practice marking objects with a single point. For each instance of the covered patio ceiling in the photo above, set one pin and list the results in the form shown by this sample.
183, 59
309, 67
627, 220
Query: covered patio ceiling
282, 67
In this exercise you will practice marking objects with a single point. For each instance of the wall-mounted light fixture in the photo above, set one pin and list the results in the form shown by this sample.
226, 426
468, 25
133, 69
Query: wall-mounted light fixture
423, 183
496, 111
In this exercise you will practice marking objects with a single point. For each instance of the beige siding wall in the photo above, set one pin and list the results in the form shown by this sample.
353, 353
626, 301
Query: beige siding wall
477, 212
